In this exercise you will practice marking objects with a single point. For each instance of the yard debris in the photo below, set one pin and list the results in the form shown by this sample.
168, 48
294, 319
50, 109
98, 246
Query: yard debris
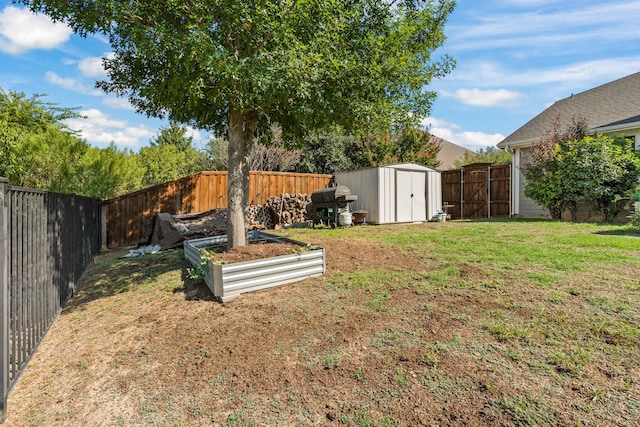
142, 250
169, 231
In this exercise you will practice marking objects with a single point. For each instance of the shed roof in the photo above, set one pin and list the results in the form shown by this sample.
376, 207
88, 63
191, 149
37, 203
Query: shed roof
409, 166
616, 103
405, 166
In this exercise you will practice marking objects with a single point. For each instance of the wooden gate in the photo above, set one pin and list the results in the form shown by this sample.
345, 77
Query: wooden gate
478, 191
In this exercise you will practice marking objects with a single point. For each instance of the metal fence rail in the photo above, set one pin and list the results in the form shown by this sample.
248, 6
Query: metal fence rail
46, 242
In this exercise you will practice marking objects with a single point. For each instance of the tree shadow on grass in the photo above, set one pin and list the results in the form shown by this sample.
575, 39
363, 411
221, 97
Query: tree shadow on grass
628, 232
194, 289
104, 279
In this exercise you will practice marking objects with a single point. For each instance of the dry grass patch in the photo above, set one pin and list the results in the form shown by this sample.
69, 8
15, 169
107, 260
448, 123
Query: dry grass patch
462, 323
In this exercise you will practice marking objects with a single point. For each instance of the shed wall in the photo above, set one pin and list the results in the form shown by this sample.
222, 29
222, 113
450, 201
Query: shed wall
434, 193
364, 184
388, 195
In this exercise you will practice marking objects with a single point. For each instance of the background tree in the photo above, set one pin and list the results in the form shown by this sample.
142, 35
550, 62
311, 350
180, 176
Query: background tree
109, 172
328, 151
175, 135
169, 156
598, 170
37, 149
410, 145
214, 154
233, 66
492, 155
51, 160
270, 153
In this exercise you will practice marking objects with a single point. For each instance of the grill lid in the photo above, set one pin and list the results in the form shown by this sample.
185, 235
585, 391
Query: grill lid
333, 194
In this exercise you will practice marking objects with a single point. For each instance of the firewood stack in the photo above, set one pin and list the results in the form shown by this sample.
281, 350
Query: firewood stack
290, 208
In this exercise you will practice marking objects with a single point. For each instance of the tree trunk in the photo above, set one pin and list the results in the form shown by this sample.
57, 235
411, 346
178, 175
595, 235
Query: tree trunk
241, 130
573, 208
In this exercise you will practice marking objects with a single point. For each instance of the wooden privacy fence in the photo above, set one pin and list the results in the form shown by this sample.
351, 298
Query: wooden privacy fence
478, 191
46, 242
129, 216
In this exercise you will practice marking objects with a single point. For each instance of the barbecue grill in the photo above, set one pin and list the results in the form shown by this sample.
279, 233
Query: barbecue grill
328, 203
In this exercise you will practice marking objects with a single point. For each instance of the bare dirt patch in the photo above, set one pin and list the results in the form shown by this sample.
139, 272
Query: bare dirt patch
250, 252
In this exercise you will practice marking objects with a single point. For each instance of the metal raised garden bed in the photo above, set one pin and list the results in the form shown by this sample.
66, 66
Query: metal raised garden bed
227, 281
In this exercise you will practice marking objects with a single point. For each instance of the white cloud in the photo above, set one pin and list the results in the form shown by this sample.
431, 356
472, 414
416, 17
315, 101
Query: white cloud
558, 81
433, 122
118, 103
92, 66
534, 26
485, 98
99, 129
195, 134
71, 84
98, 118
471, 140
21, 30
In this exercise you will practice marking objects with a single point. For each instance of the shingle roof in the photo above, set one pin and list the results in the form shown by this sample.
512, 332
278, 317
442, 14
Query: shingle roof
449, 153
614, 103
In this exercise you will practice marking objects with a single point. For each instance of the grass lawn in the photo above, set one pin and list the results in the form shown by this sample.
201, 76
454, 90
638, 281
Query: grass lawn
508, 322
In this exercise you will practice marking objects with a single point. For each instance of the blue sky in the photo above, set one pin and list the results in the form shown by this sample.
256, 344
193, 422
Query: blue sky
514, 59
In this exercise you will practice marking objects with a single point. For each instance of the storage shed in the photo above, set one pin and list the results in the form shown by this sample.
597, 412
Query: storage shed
404, 192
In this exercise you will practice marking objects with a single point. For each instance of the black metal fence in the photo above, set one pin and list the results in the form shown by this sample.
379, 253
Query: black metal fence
46, 242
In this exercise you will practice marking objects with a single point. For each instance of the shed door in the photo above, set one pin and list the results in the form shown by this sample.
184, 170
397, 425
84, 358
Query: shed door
411, 201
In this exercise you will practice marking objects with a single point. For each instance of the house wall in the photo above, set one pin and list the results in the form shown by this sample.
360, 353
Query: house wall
525, 206
522, 205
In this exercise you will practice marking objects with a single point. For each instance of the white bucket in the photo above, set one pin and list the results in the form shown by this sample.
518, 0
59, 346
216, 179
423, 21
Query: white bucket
344, 219
439, 217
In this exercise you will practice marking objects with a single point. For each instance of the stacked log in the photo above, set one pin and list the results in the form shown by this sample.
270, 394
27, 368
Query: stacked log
259, 217
290, 208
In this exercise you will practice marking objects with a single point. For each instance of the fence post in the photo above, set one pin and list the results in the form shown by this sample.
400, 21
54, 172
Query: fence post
462, 192
104, 214
489, 196
4, 297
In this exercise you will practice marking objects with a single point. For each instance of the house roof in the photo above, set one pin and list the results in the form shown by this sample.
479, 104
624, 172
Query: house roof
449, 153
614, 104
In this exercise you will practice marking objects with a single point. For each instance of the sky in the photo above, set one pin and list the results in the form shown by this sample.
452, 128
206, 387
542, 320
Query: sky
514, 58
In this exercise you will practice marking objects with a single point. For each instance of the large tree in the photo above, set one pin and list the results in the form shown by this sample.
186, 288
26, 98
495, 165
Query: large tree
235, 65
